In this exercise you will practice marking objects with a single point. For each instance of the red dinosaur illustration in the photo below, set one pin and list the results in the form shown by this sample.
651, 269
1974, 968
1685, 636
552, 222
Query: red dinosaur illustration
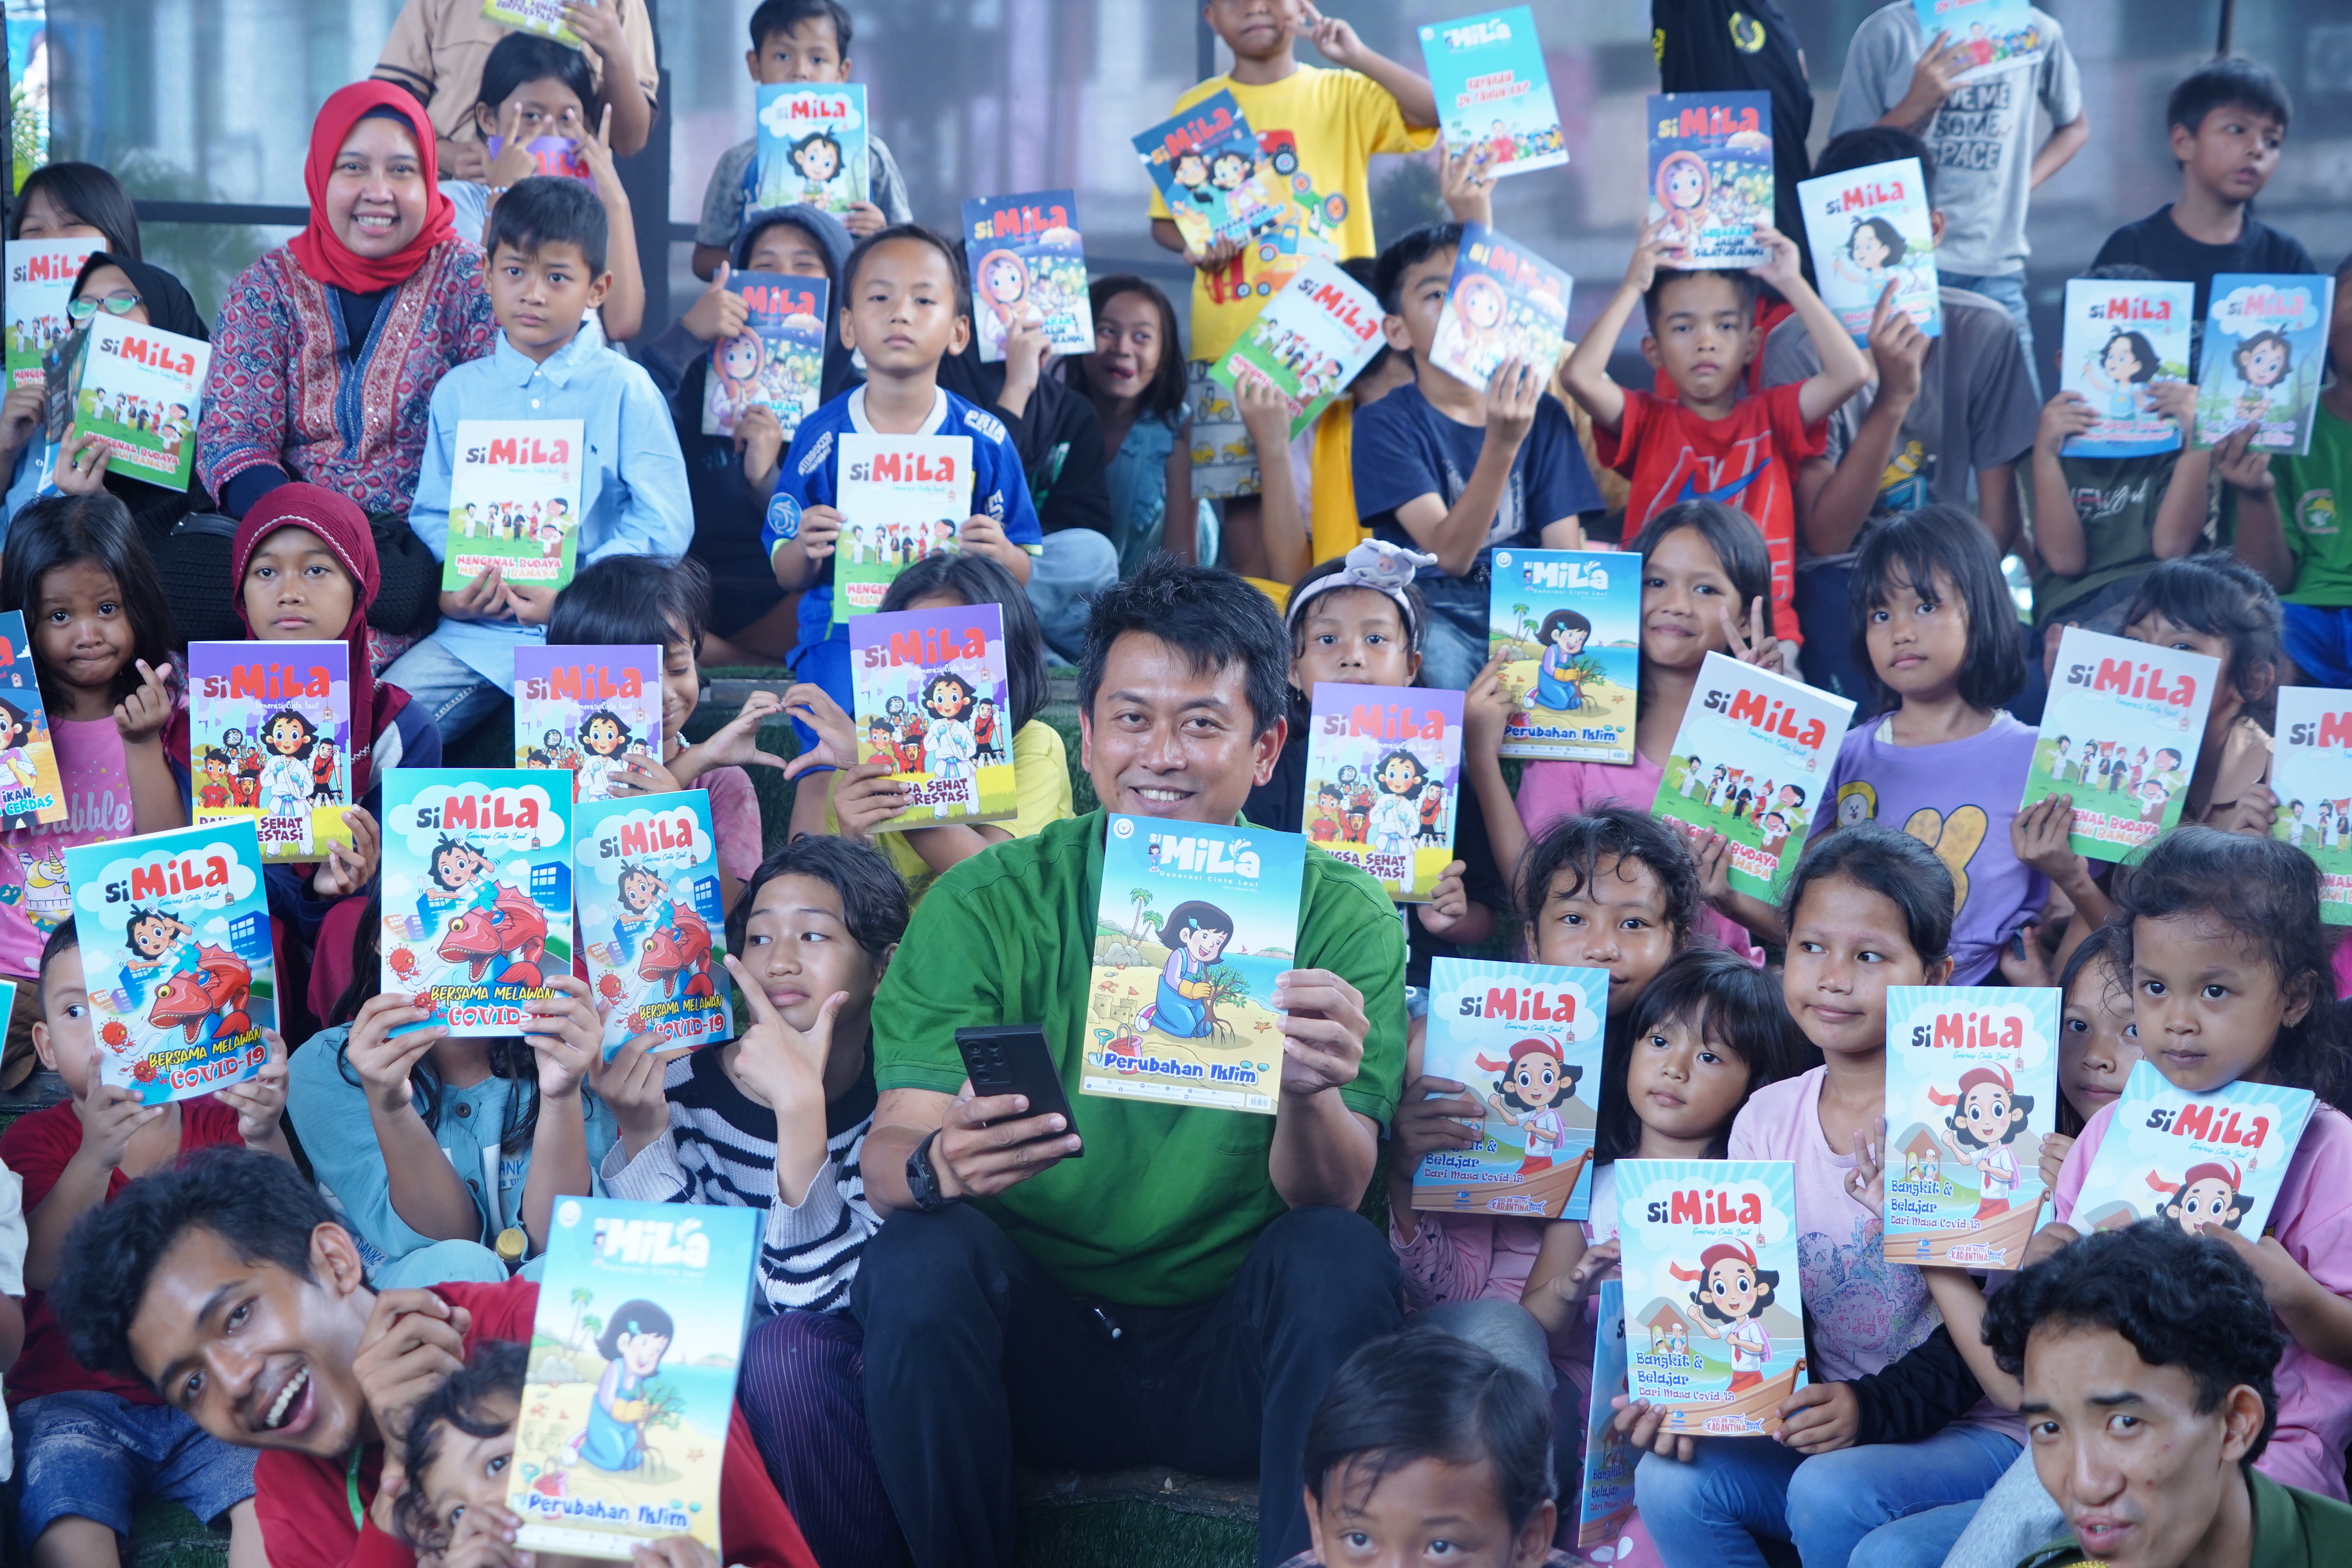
214, 993
677, 956
506, 943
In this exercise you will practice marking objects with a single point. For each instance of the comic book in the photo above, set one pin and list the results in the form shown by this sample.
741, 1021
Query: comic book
514, 501
545, 17
30, 790
1714, 1331
2217, 1158
175, 951
812, 146
1751, 761
2000, 35
587, 710
1711, 175
2121, 339
1526, 1039
1384, 780
271, 742
1867, 228
651, 925
1502, 301
1493, 92
1028, 263
1972, 1091
1607, 1500
557, 157
931, 697
1569, 622
901, 498
141, 391
41, 274
2264, 356
2311, 773
476, 893
633, 1354
1195, 923
1213, 174
2120, 734
1308, 342
777, 361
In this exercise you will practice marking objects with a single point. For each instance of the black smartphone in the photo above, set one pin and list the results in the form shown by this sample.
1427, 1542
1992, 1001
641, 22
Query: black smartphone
1012, 1058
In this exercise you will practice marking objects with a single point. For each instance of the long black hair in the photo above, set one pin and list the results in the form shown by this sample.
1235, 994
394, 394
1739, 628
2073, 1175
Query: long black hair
1164, 394
1897, 866
1574, 848
1903, 555
85, 193
2108, 947
2222, 597
522, 58
977, 580
1725, 1000
629, 601
58, 531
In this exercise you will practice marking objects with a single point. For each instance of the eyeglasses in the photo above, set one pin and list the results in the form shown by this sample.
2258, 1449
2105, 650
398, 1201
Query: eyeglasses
84, 308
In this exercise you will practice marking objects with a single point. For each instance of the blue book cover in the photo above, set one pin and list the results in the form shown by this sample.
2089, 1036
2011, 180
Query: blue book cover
2263, 358
1999, 34
2122, 338
1568, 623
1493, 92
1607, 1500
776, 362
1504, 301
30, 790
2217, 1158
812, 146
2311, 773
1972, 1091
652, 928
1028, 263
1869, 228
1211, 173
1711, 175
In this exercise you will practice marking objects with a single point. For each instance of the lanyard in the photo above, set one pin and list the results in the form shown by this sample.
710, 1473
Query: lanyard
352, 1488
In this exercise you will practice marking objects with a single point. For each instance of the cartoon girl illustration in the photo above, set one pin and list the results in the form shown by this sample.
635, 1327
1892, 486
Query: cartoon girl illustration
1561, 673
2121, 373
604, 736
17, 771
2207, 1194
1196, 933
1537, 1086
2263, 362
1002, 285
817, 158
949, 746
737, 365
1731, 1297
1873, 250
1230, 173
636, 1338
1395, 815
287, 737
1988, 1116
1682, 188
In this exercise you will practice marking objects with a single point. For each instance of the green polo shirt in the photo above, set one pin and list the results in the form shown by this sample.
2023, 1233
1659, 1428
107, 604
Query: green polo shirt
1167, 1199
2293, 1528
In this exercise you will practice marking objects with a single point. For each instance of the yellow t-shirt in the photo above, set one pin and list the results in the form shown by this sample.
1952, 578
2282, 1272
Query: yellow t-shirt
1039, 764
1317, 130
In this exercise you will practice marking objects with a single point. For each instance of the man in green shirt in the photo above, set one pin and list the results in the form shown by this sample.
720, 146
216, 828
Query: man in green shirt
2147, 1356
1182, 1293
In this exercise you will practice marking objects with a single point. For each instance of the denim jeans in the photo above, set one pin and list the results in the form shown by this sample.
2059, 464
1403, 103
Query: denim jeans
449, 687
1454, 643
2008, 292
2319, 640
1077, 563
97, 1456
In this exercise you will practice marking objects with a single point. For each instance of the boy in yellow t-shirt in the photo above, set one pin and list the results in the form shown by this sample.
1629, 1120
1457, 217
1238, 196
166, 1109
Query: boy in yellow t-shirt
1316, 130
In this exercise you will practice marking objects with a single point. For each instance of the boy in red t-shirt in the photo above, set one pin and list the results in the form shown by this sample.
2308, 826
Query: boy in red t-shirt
92, 1445
1712, 442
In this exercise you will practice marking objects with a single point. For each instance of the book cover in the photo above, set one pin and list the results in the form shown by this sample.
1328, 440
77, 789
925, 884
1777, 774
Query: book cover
1492, 89
901, 498
634, 1355
176, 948
1972, 1091
271, 742
1715, 1329
1606, 1500
1210, 172
587, 711
2122, 338
812, 146
1383, 777
1527, 1039
476, 893
1711, 175
30, 789
545, 17
1309, 341
2000, 35
776, 362
1195, 922
1750, 762
1503, 301
2196, 1160
140, 391
1869, 228
1568, 624
2311, 773
651, 926
41, 274
2264, 356
557, 157
2120, 733
514, 501
1028, 263
932, 697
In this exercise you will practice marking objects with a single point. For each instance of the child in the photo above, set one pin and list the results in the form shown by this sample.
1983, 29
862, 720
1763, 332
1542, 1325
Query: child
2227, 121
1460, 470
635, 600
776, 1120
1713, 444
96, 1447
1135, 379
793, 42
547, 268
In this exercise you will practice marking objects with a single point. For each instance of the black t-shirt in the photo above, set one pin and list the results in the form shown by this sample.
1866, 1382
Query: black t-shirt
1059, 436
1743, 46
2156, 243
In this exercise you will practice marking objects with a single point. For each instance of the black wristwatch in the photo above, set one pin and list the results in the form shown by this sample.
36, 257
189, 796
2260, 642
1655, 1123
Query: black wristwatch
923, 1180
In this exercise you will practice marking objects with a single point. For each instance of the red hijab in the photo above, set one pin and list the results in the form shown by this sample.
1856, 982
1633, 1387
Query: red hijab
322, 254
338, 521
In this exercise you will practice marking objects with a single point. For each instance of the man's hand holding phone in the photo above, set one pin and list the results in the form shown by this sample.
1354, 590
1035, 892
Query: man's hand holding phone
988, 1143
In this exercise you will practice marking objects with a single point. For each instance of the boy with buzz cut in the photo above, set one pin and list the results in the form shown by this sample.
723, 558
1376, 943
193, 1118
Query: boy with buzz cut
1712, 442
794, 41
2227, 121
546, 270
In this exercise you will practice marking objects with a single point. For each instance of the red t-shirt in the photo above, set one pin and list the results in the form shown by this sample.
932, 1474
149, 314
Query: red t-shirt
305, 1505
37, 1148
1747, 459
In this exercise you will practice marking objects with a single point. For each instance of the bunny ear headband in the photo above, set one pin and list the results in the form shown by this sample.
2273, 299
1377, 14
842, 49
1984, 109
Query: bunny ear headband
1386, 569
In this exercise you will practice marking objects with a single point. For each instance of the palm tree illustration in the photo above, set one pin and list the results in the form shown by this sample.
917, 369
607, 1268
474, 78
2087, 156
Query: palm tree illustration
1143, 897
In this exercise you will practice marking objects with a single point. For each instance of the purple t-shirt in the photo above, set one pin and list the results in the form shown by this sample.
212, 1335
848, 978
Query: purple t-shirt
1958, 798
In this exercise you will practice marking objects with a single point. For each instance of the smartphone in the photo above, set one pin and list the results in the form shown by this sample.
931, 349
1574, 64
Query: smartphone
1012, 1058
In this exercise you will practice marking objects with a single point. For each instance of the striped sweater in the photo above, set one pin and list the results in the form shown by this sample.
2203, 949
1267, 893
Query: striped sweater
720, 1148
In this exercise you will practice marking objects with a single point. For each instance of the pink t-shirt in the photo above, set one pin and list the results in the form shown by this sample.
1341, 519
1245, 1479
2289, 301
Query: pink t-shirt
96, 776
2312, 1220
734, 821
1549, 791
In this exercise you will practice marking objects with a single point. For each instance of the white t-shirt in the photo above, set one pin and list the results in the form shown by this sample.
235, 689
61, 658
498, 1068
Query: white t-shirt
12, 1274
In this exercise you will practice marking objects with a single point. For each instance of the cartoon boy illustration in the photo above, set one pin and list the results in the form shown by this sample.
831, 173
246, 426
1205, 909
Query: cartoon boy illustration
1536, 1091
322, 770
817, 158
213, 793
987, 737
1690, 775
636, 1338
1987, 1117
1196, 933
604, 736
1395, 817
1731, 1297
1327, 826
1190, 174
159, 944
1478, 311
1433, 813
2207, 1194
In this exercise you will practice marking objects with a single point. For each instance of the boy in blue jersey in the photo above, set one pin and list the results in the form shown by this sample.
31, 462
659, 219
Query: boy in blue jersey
904, 307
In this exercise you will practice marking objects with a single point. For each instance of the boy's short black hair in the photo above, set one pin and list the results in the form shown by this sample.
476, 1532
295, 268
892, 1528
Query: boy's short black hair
2231, 80
775, 17
1897, 866
1425, 1394
628, 601
1728, 1002
548, 209
956, 282
873, 897
1212, 616
1868, 144
255, 1203
1746, 285
1365, 270
2179, 1300
2123, 272
65, 939
1575, 847
2217, 594
1904, 554
1410, 250
495, 1370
